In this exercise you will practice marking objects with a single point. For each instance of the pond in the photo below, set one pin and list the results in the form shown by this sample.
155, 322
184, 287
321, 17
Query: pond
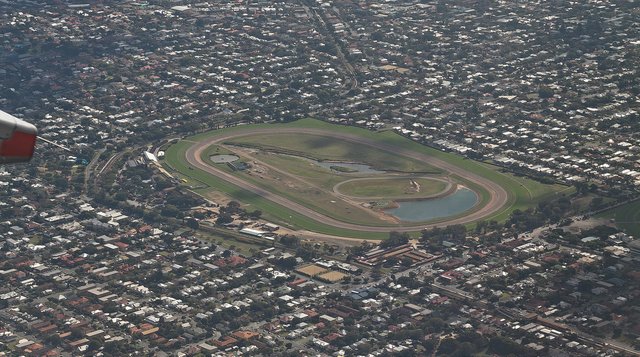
429, 209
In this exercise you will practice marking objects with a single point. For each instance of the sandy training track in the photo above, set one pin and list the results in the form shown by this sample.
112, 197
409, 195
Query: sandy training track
498, 196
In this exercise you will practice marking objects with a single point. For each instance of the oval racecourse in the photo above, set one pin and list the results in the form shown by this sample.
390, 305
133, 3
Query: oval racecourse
271, 187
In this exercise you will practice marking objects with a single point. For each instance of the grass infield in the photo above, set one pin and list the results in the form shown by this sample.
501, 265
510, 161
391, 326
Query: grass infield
392, 187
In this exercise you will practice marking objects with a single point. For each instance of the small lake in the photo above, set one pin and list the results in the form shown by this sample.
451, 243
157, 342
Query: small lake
430, 209
363, 168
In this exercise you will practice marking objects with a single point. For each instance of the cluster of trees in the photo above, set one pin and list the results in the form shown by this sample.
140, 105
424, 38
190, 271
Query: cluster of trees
395, 239
504, 346
600, 231
434, 237
305, 251
286, 263
584, 188
234, 208
289, 240
393, 261
464, 344
483, 226
547, 211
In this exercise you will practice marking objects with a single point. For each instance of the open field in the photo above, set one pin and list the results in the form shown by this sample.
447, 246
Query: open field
332, 276
327, 148
499, 192
302, 168
626, 217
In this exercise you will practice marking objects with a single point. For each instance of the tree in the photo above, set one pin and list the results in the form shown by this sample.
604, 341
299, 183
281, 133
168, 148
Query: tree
582, 187
360, 249
120, 196
61, 183
596, 203
224, 219
289, 240
481, 226
152, 216
585, 286
395, 239
391, 261
545, 92
306, 252
233, 207
162, 183
465, 349
192, 223
406, 262
53, 340
504, 346
376, 273
287, 263
170, 211
448, 346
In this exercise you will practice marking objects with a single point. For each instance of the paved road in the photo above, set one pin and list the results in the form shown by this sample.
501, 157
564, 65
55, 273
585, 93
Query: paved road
498, 196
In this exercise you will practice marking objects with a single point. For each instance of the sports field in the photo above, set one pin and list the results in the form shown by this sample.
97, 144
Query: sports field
321, 177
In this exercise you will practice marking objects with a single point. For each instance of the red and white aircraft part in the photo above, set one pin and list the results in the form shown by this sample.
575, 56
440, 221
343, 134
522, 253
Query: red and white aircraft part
17, 139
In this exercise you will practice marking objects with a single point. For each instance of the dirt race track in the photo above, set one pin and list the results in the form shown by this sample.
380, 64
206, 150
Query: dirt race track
498, 196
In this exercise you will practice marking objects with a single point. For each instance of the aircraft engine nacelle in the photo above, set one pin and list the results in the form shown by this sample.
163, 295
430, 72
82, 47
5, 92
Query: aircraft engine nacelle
17, 139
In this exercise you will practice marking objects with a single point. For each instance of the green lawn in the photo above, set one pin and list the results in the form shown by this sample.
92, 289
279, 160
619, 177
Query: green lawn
627, 217
392, 187
523, 192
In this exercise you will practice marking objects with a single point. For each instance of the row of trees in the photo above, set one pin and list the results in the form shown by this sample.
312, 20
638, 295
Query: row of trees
545, 212
233, 208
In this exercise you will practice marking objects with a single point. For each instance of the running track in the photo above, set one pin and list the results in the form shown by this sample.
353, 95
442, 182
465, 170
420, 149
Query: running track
498, 196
